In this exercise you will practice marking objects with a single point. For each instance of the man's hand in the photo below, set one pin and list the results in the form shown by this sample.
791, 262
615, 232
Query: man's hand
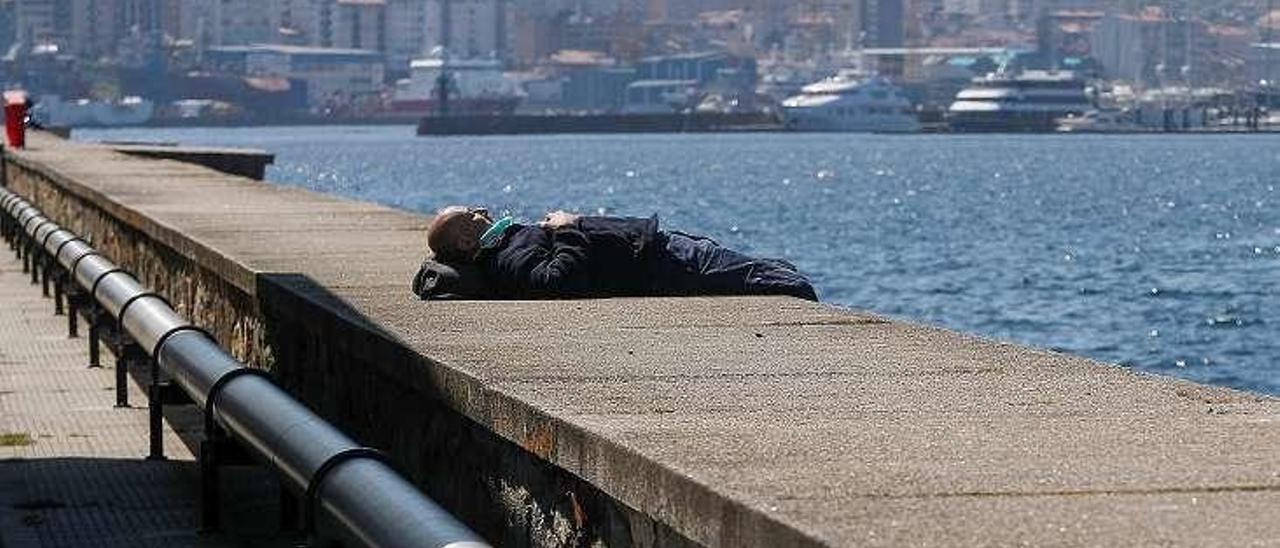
558, 219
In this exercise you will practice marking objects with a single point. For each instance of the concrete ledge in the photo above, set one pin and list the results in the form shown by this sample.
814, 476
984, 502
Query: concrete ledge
718, 421
232, 161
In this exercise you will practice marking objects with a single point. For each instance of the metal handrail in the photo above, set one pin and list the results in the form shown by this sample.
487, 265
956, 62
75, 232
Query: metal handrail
355, 485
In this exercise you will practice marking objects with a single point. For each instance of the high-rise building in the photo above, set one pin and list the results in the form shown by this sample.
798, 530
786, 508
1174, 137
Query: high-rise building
195, 22
8, 21
468, 28
96, 28
407, 33
978, 8
1156, 50
683, 11
400, 29
358, 24
1031, 9
235, 22
885, 23
45, 22
1262, 64
770, 17
141, 16
847, 15
298, 21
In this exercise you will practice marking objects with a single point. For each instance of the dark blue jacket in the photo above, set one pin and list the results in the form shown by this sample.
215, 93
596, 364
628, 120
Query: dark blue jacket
594, 257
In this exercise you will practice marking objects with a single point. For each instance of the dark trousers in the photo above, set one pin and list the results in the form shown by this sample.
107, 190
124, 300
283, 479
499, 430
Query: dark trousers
692, 265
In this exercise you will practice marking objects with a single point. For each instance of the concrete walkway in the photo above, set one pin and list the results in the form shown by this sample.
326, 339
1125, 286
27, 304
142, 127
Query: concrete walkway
71, 472
730, 419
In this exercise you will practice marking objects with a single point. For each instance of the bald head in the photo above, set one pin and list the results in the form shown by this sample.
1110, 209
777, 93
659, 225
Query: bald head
454, 233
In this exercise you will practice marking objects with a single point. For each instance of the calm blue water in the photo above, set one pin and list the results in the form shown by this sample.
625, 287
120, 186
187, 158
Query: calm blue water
1157, 252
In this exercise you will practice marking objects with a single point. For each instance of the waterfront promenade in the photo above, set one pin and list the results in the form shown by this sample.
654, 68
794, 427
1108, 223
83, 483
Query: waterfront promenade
71, 472
720, 421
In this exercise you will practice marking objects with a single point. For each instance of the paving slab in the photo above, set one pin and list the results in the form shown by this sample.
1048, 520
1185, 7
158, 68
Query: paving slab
71, 471
717, 415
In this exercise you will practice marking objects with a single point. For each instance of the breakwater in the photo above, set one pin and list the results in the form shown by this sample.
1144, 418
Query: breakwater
719, 421
520, 124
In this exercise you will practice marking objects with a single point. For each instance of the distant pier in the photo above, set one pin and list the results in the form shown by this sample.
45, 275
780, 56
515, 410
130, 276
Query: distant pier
524, 124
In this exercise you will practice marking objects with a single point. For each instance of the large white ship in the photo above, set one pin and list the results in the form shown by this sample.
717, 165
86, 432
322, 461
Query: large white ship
850, 101
475, 86
52, 110
1029, 101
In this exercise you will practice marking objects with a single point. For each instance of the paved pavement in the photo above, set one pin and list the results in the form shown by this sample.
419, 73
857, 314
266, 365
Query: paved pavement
71, 472
730, 419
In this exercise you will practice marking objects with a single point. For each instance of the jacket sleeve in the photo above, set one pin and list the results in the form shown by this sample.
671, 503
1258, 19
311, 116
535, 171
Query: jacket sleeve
533, 263
562, 270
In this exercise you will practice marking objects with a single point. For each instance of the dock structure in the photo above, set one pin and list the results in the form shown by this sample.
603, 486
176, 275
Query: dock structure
534, 124
746, 421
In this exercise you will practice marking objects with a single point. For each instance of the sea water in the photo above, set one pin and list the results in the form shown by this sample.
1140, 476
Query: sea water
1157, 252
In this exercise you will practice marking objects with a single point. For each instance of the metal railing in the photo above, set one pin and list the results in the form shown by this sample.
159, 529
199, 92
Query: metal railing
355, 485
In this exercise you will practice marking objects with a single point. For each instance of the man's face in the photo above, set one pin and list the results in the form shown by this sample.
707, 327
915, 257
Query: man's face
457, 232
468, 226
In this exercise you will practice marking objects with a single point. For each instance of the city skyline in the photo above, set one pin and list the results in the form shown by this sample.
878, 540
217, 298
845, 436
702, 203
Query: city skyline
359, 55
404, 28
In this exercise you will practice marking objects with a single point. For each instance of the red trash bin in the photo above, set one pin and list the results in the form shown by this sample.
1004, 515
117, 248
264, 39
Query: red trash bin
15, 118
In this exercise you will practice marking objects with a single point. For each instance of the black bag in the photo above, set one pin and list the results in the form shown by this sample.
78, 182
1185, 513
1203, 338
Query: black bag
437, 280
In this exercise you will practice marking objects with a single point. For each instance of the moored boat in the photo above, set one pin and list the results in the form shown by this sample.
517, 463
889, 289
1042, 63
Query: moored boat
852, 102
52, 110
475, 86
1029, 101
1102, 121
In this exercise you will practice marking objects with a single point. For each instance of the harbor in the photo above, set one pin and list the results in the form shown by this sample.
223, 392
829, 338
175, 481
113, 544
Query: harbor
923, 435
1158, 70
641, 274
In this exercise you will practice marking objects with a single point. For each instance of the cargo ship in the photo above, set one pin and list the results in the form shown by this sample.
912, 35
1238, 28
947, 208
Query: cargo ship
475, 86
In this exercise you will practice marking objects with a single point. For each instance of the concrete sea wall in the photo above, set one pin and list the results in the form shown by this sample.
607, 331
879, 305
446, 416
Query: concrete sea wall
341, 364
660, 422
199, 285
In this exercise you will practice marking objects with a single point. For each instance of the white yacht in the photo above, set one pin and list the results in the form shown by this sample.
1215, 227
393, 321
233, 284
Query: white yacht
850, 101
1029, 101
1102, 121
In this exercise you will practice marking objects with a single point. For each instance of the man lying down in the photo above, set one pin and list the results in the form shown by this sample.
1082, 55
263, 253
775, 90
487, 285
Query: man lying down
571, 256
